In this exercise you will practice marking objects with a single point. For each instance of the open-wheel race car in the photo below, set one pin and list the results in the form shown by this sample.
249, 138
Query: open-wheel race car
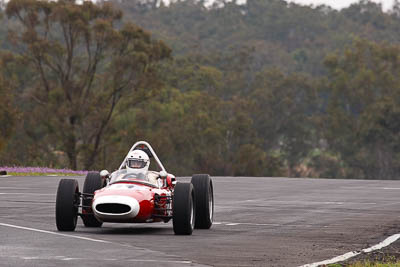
135, 194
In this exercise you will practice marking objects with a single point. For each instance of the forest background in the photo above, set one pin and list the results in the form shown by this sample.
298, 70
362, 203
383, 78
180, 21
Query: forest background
261, 89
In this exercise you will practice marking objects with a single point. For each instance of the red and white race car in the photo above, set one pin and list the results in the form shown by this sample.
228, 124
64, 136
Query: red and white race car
134, 194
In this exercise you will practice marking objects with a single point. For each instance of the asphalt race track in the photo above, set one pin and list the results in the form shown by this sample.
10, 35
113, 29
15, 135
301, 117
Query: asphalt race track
259, 222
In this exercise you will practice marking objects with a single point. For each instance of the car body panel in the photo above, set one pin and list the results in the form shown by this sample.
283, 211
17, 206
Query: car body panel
146, 195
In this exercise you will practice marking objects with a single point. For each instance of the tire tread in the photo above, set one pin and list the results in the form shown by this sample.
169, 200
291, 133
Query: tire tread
66, 210
202, 184
92, 183
183, 202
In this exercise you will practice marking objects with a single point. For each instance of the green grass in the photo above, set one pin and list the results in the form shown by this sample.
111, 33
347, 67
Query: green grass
367, 264
375, 264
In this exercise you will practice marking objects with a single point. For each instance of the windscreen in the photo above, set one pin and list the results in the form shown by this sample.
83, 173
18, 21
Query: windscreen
134, 176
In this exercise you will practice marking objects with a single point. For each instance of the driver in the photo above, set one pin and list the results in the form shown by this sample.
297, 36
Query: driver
138, 163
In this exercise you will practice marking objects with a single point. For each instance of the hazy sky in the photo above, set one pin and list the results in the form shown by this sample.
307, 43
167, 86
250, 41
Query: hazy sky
337, 4
342, 3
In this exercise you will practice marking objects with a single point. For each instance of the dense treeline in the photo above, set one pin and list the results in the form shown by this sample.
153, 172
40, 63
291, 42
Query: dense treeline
262, 89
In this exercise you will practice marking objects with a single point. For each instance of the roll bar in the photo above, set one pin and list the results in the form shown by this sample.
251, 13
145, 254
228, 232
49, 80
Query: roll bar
144, 143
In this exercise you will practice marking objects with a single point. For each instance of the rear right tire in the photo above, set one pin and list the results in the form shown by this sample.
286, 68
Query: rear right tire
92, 183
183, 209
203, 188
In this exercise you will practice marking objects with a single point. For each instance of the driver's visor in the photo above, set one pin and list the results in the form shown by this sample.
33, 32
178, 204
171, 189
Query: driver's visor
136, 163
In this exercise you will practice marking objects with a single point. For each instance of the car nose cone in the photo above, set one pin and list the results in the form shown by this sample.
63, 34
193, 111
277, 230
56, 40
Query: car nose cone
114, 207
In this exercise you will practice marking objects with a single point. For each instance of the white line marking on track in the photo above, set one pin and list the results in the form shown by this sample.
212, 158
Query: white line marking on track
246, 223
343, 257
391, 188
260, 224
305, 202
139, 260
382, 244
86, 239
351, 254
63, 258
54, 233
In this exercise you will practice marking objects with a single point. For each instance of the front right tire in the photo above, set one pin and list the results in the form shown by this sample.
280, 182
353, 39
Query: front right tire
183, 209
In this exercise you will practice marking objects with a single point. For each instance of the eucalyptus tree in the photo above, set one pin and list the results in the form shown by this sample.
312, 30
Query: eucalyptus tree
84, 60
7, 109
361, 119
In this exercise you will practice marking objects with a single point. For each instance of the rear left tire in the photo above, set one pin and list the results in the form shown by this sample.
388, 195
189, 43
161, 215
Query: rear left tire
67, 204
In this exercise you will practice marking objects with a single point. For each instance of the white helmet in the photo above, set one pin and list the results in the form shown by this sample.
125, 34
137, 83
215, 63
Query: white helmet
138, 163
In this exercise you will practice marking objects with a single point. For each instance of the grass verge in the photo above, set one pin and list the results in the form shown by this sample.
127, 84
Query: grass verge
367, 264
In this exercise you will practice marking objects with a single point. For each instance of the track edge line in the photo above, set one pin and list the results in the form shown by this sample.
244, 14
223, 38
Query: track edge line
389, 240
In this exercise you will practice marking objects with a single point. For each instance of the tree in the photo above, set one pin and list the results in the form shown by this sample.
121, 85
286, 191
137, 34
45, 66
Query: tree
283, 109
7, 108
360, 122
83, 64
187, 130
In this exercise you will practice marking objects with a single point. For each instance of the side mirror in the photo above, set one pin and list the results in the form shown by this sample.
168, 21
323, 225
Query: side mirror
105, 175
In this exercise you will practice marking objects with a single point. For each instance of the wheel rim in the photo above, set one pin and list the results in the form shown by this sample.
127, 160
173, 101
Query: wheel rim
211, 203
192, 216
76, 205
